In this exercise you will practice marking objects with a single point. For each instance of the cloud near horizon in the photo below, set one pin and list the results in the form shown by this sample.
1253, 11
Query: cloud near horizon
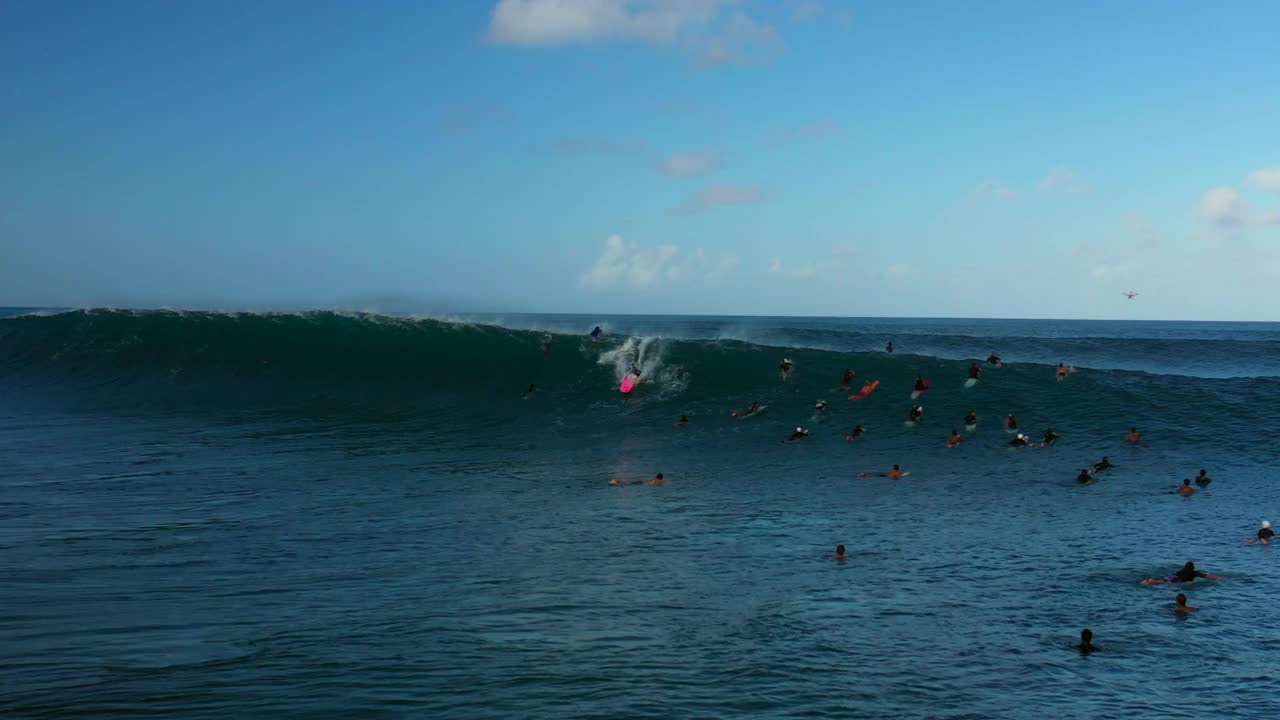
720, 196
690, 164
628, 264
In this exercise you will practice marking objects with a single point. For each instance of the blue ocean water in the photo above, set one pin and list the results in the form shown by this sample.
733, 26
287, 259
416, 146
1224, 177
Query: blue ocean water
327, 515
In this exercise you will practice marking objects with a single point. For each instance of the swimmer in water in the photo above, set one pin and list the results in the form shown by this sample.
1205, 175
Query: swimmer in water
993, 358
1185, 489
1050, 437
1062, 372
1133, 436
1187, 574
799, 434
847, 380
893, 474
975, 372
1265, 533
839, 552
889, 347
1180, 605
1011, 422
1086, 645
1019, 440
954, 439
971, 418
1104, 465
1085, 477
916, 414
854, 433
1203, 478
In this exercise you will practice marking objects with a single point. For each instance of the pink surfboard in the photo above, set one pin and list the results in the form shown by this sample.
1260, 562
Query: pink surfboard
628, 384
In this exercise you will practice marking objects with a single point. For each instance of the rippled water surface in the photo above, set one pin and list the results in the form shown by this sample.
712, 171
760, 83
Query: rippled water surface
458, 553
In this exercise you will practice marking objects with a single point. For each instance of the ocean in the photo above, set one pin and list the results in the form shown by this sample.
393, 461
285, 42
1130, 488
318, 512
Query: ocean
344, 515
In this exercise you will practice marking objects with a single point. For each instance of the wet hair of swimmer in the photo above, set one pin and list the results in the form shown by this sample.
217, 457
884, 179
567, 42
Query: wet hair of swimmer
1181, 600
839, 549
1189, 566
895, 467
1086, 636
1186, 481
658, 476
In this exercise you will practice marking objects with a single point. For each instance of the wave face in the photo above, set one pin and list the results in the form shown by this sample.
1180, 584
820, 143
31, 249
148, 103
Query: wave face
361, 365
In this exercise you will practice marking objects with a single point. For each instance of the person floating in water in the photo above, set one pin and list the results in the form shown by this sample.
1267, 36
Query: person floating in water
1180, 605
1103, 465
994, 359
1050, 437
1019, 440
971, 419
847, 380
1187, 574
1265, 533
1203, 478
1062, 371
1185, 489
1086, 645
889, 347
1133, 436
839, 552
755, 408
916, 414
529, 393
856, 432
1085, 477
819, 406
656, 480
1011, 422
893, 474
975, 372
954, 439
785, 368
799, 434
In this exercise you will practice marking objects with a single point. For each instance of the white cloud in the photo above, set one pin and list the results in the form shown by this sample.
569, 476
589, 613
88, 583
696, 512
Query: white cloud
720, 196
562, 22
995, 189
628, 264
690, 164
1064, 181
1222, 206
1266, 178
741, 40
808, 271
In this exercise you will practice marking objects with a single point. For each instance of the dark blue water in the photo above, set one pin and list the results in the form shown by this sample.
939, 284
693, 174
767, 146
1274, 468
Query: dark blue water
319, 515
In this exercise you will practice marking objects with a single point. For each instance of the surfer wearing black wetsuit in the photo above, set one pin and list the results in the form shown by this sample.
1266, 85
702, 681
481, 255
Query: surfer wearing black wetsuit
855, 432
1019, 440
889, 347
820, 405
974, 371
848, 377
1186, 574
799, 434
920, 384
684, 420
971, 418
1086, 645
916, 413
1103, 466
1265, 533
993, 358
1085, 477
1050, 437
839, 552
1203, 478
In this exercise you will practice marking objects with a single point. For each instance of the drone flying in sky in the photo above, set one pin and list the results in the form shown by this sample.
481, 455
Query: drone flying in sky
1130, 294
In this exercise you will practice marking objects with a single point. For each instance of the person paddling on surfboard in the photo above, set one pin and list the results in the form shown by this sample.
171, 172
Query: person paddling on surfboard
971, 419
799, 434
1265, 533
785, 368
1187, 574
1104, 465
854, 433
916, 414
893, 474
975, 372
1085, 477
1019, 440
1063, 369
1203, 478
755, 408
994, 359
1050, 437
920, 384
847, 380
954, 439
889, 347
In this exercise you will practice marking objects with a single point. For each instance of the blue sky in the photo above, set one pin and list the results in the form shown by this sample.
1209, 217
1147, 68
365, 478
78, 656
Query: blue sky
809, 157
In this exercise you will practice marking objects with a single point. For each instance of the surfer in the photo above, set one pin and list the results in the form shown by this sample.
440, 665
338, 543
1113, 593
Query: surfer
595, 334
848, 377
755, 408
1050, 437
975, 372
1104, 465
1133, 436
546, 344
1011, 422
819, 406
1203, 478
1180, 605
1062, 371
971, 418
656, 480
529, 393
1185, 489
854, 433
785, 367
839, 552
893, 474
954, 439
867, 387
635, 371
799, 434
1187, 574
1019, 440
993, 359
920, 384
1086, 645
1265, 533
889, 347
684, 420
1085, 477
916, 414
